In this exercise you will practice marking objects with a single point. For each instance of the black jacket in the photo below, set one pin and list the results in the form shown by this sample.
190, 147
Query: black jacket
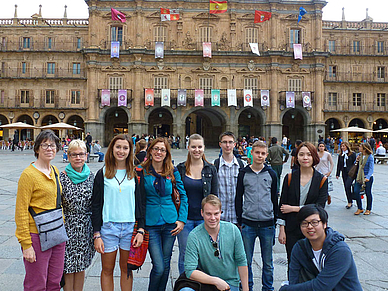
291, 196
349, 163
209, 178
98, 202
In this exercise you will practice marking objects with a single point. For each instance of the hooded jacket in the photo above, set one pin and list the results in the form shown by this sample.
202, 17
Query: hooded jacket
338, 269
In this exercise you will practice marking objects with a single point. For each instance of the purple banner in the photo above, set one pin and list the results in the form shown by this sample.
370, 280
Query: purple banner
105, 97
122, 98
181, 97
114, 49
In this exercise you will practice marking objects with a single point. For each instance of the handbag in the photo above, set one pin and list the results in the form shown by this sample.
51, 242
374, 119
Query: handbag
353, 171
137, 255
176, 196
183, 281
49, 223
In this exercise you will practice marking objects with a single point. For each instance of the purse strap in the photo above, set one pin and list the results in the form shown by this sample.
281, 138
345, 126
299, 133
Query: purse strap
58, 205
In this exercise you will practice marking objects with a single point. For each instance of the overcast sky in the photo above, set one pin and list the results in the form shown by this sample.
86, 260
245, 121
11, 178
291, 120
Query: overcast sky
355, 10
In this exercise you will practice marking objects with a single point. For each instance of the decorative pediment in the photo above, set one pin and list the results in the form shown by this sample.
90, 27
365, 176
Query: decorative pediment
205, 69
116, 69
159, 69
155, 14
109, 15
295, 69
206, 16
249, 17
295, 17
254, 70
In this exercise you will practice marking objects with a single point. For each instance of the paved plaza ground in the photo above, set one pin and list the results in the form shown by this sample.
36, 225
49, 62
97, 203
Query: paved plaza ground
367, 236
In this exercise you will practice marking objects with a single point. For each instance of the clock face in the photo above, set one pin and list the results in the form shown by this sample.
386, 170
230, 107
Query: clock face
36, 115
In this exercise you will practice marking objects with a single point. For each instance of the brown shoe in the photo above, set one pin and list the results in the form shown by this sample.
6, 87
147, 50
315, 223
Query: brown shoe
359, 211
328, 200
367, 212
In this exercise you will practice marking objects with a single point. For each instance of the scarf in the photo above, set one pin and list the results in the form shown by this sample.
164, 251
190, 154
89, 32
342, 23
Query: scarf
159, 183
345, 156
360, 175
75, 176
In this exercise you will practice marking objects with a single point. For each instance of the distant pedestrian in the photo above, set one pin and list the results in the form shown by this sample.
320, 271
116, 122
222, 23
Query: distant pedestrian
345, 162
275, 158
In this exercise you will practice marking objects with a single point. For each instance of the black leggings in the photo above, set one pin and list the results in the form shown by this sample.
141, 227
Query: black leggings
348, 186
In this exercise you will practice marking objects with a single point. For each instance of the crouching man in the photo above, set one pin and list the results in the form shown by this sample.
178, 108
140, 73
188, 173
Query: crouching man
215, 252
321, 261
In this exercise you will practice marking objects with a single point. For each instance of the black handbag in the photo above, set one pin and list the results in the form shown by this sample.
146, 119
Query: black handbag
49, 223
183, 281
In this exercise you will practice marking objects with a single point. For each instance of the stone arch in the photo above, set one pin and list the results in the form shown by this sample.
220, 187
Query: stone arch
160, 121
250, 119
294, 123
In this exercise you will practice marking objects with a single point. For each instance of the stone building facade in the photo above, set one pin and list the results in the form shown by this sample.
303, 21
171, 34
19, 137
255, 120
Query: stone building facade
54, 70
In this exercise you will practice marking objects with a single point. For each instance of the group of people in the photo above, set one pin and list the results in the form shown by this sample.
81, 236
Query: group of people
224, 206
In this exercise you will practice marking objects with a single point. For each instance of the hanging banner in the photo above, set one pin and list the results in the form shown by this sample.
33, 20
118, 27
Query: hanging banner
255, 48
216, 97
114, 49
261, 16
265, 98
122, 98
207, 49
306, 97
159, 49
165, 97
149, 97
298, 51
105, 97
232, 97
169, 14
181, 97
248, 100
290, 99
198, 97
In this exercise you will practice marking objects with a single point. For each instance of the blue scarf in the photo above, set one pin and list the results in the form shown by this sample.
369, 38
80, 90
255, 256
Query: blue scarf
159, 183
75, 176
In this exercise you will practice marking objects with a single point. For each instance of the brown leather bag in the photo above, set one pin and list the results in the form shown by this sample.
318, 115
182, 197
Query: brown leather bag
176, 196
353, 171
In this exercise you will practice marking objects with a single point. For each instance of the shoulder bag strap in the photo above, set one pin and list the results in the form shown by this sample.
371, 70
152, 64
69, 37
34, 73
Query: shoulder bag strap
58, 189
324, 178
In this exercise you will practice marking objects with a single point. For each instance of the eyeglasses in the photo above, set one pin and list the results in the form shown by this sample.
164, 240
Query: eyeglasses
313, 223
217, 251
225, 142
45, 146
159, 149
74, 155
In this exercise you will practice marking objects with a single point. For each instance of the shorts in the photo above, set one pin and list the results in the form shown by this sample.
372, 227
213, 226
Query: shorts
116, 235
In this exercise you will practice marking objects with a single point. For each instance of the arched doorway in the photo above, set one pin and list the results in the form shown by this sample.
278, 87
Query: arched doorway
78, 122
160, 122
356, 137
50, 119
293, 125
3, 132
25, 133
116, 122
380, 124
357, 123
249, 123
332, 124
207, 122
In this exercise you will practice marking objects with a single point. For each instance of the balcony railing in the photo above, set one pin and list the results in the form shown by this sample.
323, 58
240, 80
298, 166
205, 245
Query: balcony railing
114, 96
356, 50
43, 21
38, 73
330, 106
353, 25
54, 46
355, 77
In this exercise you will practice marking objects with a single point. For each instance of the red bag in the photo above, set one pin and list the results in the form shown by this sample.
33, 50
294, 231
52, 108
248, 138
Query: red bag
137, 255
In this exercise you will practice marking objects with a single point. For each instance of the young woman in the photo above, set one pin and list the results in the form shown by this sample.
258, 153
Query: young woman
77, 185
305, 187
199, 179
345, 163
163, 221
364, 177
325, 165
37, 188
140, 152
117, 203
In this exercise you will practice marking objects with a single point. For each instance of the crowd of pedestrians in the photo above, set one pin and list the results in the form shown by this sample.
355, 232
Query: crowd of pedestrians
222, 207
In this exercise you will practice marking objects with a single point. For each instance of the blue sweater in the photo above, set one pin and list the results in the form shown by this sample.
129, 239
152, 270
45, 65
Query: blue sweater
338, 272
369, 167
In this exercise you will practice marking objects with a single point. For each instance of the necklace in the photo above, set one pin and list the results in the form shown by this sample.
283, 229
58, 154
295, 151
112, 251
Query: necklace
121, 181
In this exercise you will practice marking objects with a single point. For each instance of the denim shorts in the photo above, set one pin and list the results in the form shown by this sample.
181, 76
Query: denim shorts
117, 235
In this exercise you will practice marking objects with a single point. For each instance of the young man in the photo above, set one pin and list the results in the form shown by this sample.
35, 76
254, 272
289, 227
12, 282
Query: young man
215, 251
228, 167
275, 158
256, 210
321, 261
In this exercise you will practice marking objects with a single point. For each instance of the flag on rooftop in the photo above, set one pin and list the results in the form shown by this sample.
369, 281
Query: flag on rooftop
218, 6
169, 14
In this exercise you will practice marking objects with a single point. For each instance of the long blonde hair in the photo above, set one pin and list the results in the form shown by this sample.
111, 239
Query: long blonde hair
192, 137
110, 161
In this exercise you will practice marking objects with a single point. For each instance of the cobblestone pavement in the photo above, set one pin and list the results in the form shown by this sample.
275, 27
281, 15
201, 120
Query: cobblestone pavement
367, 236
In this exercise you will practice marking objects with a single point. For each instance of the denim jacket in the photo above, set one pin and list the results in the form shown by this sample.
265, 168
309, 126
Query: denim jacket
209, 178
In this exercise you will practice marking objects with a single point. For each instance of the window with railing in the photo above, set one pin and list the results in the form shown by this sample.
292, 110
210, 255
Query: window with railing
160, 33
116, 34
76, 68
356, 46
332, 71
381, 99
380, 74
380, 47
50, 97
50, 68
24, 97
115, 84
332, 99
295, 85
251, 84
26, 42
295, 36
160, 82
357, 99
205, 34
251, 35
207, 85
75, 97
332, 46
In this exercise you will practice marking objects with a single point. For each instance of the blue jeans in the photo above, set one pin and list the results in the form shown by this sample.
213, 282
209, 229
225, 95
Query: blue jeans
368, 192
182, 240
232, 288
100, 156
160, 248
267, 240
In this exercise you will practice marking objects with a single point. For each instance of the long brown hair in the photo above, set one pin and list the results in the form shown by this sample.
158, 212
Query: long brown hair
140, 145
347, 144
192, 137
366, 146
110, 161
168, 167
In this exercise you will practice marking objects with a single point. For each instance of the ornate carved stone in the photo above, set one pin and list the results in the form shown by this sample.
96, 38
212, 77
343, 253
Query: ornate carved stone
160, 64
188, 42
251, 65
206, 65
223, 44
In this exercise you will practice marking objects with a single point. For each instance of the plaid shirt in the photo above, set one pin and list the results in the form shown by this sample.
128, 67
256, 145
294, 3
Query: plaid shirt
227, 183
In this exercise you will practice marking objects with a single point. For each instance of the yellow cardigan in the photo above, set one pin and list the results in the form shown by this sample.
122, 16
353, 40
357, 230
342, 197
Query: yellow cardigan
37, 190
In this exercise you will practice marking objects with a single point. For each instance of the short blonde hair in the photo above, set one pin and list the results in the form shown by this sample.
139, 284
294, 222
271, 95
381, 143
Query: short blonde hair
75, 144
211, 199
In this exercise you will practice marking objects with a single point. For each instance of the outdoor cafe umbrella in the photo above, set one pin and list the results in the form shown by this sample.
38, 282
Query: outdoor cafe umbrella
384, 130
352, 129
18, 125
60, 126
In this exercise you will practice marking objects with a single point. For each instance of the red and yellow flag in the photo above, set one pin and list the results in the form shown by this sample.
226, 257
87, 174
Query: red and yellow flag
218, 6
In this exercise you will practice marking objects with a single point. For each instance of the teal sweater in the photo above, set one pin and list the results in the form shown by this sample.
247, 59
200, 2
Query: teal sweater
200, 253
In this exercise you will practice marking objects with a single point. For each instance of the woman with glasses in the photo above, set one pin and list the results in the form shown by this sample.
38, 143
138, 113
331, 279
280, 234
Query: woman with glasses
77, 184
345, 163
163, 221
305, 186
117, 203
37, 188
200, 179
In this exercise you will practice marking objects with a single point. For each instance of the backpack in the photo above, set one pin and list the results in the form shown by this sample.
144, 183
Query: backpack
217, 163
320, 185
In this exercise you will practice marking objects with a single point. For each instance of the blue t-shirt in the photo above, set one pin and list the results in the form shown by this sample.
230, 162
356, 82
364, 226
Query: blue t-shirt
194, 190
